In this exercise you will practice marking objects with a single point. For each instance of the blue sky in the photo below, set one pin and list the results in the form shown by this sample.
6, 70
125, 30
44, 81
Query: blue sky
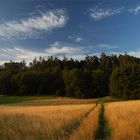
33, 28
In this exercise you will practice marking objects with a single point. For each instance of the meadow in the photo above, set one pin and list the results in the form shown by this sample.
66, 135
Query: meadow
124, 119
70, 119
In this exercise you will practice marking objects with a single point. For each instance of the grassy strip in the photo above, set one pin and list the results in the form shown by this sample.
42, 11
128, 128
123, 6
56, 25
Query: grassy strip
108, 99
18, 99
65, 132
103, 131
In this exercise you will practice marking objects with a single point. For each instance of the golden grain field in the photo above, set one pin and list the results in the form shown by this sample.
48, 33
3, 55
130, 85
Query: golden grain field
124, 119
88, 127
69, 119
39, 122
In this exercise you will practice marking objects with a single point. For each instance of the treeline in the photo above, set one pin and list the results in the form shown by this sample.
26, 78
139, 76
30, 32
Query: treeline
94, 76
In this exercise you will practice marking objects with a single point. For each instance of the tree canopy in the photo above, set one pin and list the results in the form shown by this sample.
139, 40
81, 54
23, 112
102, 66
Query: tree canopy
94, 76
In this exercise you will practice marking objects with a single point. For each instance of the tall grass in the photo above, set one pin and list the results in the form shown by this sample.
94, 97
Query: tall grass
33, 123
124, 119
88, 127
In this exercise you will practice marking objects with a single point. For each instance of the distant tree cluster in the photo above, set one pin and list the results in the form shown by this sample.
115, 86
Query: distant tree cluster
94, 76
125, 82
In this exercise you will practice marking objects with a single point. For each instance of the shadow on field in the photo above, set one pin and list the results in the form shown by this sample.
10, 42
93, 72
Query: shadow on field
42, 100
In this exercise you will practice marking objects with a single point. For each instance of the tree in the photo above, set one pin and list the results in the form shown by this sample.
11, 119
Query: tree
51, 84
5, 83
125, 82
28, 83
75, 78
77, 83
100, 83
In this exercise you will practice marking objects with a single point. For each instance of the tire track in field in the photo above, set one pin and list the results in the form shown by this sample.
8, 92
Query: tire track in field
103, 131
65, 132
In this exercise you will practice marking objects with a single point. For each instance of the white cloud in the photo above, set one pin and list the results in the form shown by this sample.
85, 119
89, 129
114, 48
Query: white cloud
62, 49
98, 13
106, 46
134, 53
135, 10
56, 49
18, 54
78, 39
75, 38
32, 26
55, 44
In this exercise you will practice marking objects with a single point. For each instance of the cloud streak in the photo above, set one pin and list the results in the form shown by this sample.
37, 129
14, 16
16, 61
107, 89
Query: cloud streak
98, 13
78, 39
56, 49
30, 27
75, 38
59, 50
18, 54
135, 10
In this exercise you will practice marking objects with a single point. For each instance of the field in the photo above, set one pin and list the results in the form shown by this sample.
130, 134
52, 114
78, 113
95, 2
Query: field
124, 120
54, 118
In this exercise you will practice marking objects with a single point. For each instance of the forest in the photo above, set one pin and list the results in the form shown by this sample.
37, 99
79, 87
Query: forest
93, 77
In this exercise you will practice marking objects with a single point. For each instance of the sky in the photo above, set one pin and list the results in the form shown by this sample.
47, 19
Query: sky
71, 28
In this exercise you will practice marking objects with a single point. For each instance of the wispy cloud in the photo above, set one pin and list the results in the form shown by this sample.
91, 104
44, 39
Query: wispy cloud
30, 27
75, 38
78, 39
135, 10
58, 48
106, 46
98, 13
18, 54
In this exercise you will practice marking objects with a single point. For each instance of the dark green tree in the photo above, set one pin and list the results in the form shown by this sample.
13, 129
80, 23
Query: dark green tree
125, 82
